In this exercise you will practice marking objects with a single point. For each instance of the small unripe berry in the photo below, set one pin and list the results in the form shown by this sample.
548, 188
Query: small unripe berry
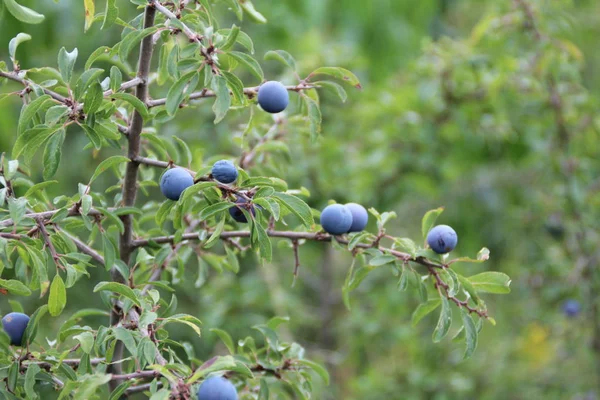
571, 308
442, 239
273, 97
360, 217
174, 182
14, 325
336, 219
217, 388
236, 211
224, 171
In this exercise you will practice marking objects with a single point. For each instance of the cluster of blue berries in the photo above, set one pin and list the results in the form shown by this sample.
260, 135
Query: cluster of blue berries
338, 219
176, 180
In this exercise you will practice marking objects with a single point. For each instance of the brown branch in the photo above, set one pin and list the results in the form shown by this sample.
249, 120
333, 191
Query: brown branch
141, 388
249, 91
130, 183
17, 78
70, 362
440, 285
42, 228
291, 235
45, 215
84, 248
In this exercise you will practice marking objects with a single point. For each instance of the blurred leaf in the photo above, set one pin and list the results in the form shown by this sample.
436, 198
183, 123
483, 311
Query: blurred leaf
429, 219
23, 13
58, 296
339, 73
444, 322
424, 309
118, 288
283, 57
491, 282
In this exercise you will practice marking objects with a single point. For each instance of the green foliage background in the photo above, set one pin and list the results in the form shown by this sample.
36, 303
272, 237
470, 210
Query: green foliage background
401, 144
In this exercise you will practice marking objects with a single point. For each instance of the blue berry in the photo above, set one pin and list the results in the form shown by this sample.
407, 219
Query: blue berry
336, 219
442, 239
571, 308
236, 211
224, 171
360, 217
273, 97
14, 325
217, 388
174, 182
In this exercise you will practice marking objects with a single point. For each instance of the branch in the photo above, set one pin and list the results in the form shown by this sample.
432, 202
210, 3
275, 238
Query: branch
319, 236
141, 388
70, 362
13, 76
130, 183
440, 284
84, 248
249, 91
45, 215
48, 242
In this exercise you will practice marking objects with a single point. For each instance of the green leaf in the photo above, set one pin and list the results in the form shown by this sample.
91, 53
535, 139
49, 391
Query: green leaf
470, 333
93, 98
242, 38
215, 364
116, 77
58, 296
15, 287
29, 111
319, 369
491, 282
263, 240
444, 322
111, 13
120, 289
106, 164
252, 13
17, 208
176, 95
338, 90
423, 310
226, 338
32, 371
223, 97
186, 319
231, 38
23, 13
32, 326
382, 260
249, 62
214, 209
314, 117
52, 154
139, 106
339, 73
86, 339
297, 207
283, 57
15, 42
429, 219
66, 63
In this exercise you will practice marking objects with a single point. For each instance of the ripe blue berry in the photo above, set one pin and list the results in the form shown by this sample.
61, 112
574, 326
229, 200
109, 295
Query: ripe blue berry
360, 217
174, 182
273, 97
442, 239
14, 325
224, 171
571, 308
236, 211
217, 388
336, 219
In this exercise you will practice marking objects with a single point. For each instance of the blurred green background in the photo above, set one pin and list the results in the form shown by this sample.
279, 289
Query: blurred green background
452, 113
